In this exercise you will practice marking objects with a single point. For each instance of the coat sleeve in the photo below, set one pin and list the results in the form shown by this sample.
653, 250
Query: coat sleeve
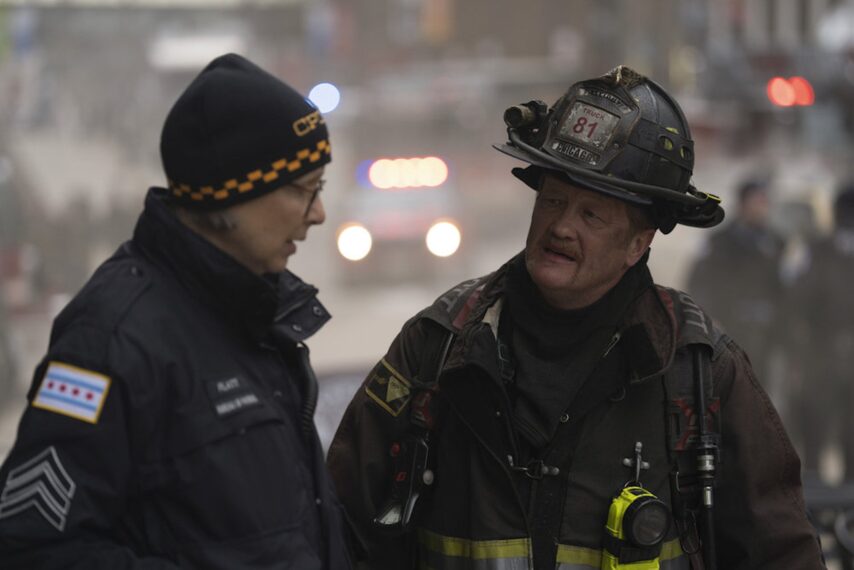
69, 476
760, 516
360, 460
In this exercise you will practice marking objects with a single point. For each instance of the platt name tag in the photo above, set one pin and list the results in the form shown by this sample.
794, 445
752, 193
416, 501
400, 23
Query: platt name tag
71, 391
230, 395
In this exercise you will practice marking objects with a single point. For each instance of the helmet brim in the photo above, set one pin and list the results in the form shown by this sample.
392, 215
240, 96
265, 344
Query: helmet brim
531, 178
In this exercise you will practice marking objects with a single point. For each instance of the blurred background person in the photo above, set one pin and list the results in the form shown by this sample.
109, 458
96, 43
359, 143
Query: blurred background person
736, 277
825, 312
795, 220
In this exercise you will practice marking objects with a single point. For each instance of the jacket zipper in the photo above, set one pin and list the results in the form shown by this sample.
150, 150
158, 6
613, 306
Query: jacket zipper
503, 463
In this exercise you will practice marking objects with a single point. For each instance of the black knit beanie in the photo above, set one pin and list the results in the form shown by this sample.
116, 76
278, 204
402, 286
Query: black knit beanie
237, 133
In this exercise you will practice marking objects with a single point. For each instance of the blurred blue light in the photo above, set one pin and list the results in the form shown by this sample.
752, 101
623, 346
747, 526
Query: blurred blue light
362, 173
326, 96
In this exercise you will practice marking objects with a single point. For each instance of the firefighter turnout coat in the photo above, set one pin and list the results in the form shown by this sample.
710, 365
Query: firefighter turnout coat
488, 508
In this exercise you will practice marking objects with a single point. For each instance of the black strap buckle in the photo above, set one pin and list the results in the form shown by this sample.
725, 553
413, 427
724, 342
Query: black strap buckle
536, 469
505, 363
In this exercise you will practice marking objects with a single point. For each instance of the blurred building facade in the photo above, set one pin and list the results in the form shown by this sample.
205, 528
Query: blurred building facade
85, 84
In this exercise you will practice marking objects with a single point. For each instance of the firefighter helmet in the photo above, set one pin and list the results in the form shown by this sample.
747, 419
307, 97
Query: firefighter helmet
620, 134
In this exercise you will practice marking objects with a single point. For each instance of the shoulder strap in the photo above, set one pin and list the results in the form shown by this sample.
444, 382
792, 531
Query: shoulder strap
683, 438
688, 382
412, 458
425, 382
680, 390
693, 324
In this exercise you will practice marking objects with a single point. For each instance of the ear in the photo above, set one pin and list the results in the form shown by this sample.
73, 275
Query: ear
638, 245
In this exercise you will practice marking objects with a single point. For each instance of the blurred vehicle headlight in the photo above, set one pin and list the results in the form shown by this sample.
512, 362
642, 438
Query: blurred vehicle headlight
354, 241
443, 239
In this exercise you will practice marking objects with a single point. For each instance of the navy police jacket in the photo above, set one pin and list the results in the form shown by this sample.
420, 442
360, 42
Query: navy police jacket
169, 424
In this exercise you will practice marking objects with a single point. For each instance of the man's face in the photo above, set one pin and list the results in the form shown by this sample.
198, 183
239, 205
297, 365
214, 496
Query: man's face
580, 244
268, 227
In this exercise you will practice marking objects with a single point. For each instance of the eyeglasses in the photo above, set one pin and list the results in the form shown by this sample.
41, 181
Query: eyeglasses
313, 191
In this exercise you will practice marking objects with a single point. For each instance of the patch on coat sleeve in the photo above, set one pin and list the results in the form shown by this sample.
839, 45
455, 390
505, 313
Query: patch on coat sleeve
41, 483
388, 388
73, 392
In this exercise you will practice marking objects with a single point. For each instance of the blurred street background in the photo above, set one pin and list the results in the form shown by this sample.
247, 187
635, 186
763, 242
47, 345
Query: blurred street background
413, 92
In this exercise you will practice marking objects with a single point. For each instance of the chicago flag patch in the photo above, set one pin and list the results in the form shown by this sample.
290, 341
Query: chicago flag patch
72, 392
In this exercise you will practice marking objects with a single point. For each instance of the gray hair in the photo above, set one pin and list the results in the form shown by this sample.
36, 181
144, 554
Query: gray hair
216, 221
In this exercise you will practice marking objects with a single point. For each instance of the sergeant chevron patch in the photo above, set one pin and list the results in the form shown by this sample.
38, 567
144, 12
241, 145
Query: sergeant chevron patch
388, 388
41, 483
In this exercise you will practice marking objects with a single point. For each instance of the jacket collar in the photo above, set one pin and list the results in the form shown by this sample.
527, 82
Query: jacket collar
648, 331
246, 300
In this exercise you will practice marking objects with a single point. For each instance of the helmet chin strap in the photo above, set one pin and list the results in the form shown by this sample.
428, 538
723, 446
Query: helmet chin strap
692, 196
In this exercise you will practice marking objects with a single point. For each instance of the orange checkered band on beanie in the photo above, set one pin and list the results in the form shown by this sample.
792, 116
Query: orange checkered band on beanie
236, 133
304, 161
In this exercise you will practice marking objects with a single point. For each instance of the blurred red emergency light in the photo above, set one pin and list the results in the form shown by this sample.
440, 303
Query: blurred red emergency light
791, 92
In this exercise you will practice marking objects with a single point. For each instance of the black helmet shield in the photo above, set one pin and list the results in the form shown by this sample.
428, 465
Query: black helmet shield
620, 134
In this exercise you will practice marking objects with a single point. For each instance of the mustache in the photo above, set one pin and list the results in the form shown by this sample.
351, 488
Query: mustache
565, 248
